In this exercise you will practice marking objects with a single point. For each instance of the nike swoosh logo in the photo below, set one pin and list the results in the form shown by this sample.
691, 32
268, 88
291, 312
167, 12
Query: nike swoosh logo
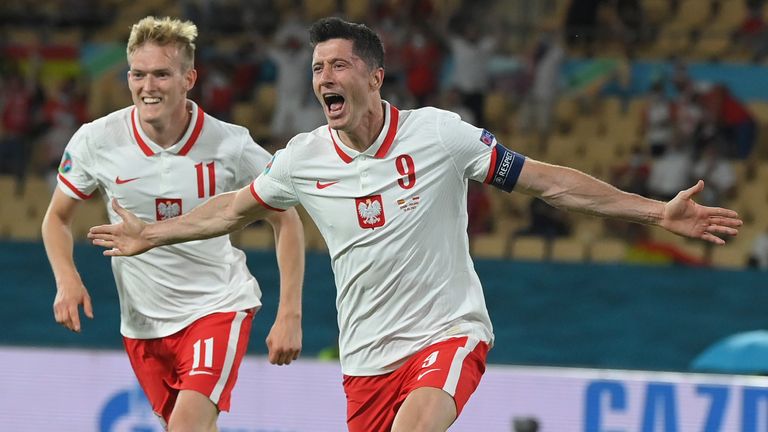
421, 375
196, 372
325, 185
118, 180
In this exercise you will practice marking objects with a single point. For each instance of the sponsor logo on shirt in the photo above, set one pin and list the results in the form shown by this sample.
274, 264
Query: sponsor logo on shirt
66, 163
408, 204
487, 138
120, 181
370, 211
323, 185
166, 208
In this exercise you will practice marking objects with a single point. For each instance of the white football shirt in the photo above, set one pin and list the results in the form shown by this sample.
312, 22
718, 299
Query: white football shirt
167, 288
395, 221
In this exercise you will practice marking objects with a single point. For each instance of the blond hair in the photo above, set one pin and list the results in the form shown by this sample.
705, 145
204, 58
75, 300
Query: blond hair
164, 31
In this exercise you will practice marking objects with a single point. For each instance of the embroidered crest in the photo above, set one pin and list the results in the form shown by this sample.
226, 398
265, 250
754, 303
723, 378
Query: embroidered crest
166, 208
370, 211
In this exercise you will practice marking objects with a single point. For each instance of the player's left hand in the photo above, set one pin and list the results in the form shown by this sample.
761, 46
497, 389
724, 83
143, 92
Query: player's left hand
121, 239
683, 216
284, 340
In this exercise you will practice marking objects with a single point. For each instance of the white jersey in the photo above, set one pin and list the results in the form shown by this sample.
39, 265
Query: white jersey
167, 288
395, 221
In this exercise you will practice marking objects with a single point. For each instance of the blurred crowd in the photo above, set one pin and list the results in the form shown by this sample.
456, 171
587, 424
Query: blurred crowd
459, 55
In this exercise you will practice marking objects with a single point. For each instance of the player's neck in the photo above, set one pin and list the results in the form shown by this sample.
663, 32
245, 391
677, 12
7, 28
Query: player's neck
367, 130
167, 133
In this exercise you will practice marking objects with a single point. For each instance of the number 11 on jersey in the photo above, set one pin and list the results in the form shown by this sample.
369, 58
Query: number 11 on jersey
211, 171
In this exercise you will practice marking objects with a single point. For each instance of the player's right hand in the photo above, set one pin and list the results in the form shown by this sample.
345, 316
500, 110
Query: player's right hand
121, 239
66, 305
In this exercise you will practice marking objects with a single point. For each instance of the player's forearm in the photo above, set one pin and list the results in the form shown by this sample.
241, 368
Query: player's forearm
213, 218
573, 190
289, 247
58, 242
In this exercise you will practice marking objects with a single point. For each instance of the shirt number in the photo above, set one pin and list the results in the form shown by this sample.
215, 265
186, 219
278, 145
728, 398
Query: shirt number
404, 165
211, 170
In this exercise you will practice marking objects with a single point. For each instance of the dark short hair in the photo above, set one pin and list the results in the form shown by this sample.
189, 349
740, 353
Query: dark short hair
365, 42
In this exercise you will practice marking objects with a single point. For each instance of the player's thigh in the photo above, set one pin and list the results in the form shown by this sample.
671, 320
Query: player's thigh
155, 371
210, 354
454, 365
426, 409
194, 412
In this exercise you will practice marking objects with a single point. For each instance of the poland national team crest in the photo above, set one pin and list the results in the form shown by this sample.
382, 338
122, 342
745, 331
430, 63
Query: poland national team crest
166, 208
370, 211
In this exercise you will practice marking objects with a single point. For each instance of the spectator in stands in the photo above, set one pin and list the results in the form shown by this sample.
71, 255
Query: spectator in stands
657, 121
422, 61
20, 114
733, 119
687, 112
670, 171
471, 51
581, 24
632, 173
718, 173
546, 62
753, 30
64, 110
292, 58
218, 93
758, 256
546, 221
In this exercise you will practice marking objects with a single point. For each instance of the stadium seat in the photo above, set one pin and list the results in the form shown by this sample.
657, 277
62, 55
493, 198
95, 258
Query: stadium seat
732, 256
568, 249
531, 248
608, 250
492, 245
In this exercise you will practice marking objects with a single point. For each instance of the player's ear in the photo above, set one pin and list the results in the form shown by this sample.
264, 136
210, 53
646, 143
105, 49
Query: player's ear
377, 78
190, 77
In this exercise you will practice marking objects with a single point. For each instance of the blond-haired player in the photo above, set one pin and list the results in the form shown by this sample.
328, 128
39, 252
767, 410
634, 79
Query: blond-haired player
186, 310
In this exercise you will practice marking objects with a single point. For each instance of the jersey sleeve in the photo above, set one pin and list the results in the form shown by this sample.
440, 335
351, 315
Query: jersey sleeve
76, 176
477, 153
252, 162
274, 187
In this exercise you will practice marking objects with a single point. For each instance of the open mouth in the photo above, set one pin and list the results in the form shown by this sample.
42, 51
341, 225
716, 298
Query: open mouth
334, 102
150, 100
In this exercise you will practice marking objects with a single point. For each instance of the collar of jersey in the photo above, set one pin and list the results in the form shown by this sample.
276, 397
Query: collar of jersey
189, 139
382, 144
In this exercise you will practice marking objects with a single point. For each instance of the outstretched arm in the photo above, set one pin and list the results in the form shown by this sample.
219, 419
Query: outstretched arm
284, 339
570, 189
220, 215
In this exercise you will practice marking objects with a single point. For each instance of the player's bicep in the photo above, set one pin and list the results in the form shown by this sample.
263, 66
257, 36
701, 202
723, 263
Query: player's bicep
61, 208
248, 206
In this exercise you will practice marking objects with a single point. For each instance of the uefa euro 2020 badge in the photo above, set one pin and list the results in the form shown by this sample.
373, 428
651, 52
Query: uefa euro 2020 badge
66, 163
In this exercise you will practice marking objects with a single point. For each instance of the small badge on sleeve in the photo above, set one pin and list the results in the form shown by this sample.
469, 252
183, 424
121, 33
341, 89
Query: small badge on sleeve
66, 163
487, 138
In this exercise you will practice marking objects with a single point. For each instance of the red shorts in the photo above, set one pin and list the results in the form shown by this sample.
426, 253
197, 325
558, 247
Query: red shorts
203, 357
454, 365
